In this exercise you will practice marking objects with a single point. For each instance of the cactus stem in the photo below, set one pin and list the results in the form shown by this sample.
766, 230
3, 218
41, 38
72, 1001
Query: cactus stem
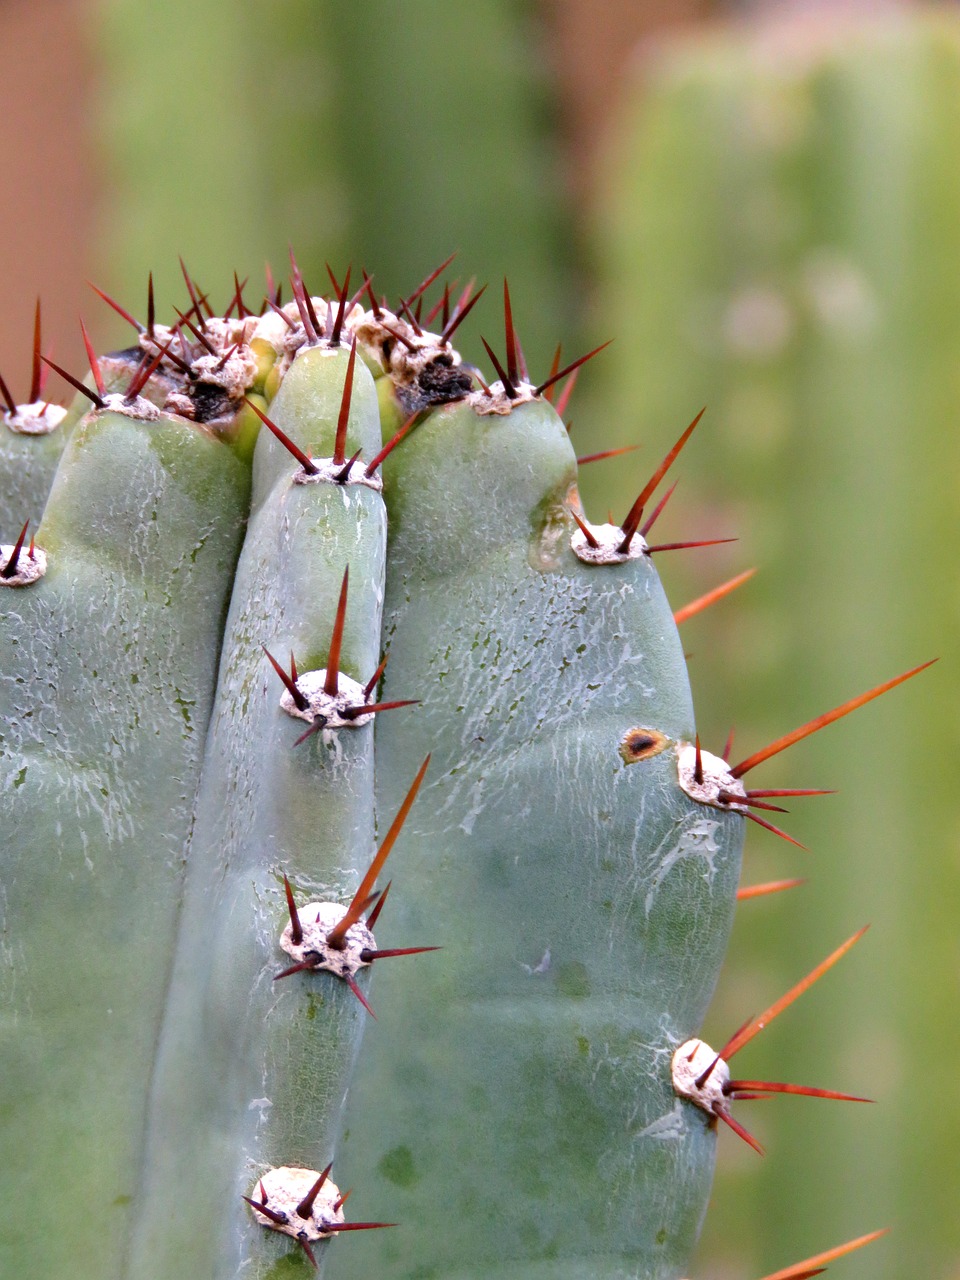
121, 311
296, 928
606, 453
289, 681
36, 375
460, 312
768, 826
767, 887
757, 1024
508, 385
538, 391
722, 1114
94, 362
305, 1207
687, 546
821, 722
814, 1266
652, 519
10, 568
331, 685
735, 1088
336, 936
304, 459
634, 515
76, 383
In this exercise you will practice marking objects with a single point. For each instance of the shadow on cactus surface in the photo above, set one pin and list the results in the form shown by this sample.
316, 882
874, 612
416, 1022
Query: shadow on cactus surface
304, 575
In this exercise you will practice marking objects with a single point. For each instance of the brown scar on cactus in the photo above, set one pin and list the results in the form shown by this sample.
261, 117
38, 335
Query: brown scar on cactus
304, 1205
330, 937
328, 698
710, 780
21, 570
702, 1076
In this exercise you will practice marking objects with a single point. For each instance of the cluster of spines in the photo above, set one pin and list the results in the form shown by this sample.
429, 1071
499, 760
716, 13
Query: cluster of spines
516, 385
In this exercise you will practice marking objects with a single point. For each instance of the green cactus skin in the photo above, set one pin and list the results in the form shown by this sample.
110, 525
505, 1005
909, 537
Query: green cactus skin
252, 1073
515, 1112
109, 671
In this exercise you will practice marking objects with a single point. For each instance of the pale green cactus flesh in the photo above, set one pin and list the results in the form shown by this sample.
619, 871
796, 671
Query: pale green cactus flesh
513, 1110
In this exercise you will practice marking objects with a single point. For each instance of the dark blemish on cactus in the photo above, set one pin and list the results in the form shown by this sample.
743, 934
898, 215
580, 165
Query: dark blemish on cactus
702, 1076
642, 744
398, 1167
662, 1236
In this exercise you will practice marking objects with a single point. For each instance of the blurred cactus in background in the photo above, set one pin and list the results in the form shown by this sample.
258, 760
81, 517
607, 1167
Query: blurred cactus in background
779, 239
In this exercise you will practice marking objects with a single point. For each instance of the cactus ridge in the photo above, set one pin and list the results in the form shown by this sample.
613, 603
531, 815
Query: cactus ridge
573, 851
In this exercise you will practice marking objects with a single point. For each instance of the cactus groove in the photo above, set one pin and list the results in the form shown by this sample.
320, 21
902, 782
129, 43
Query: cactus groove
202, 744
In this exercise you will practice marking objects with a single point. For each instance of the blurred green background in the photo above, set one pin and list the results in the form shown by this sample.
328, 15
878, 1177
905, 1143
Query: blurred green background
762, 206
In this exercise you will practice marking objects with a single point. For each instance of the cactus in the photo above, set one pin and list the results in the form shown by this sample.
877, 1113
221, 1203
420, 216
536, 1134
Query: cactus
778, 239
534, 1097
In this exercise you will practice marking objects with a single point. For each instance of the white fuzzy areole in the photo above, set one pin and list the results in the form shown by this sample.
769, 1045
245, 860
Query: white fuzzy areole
498, 400
282, 1189
688, 1065
609, 536
310, 684
30, 568
137, 408
235, 375
716, 778
317, 919
36, 419
328, 470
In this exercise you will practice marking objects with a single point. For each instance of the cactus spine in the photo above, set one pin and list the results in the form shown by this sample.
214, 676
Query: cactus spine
574, 852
